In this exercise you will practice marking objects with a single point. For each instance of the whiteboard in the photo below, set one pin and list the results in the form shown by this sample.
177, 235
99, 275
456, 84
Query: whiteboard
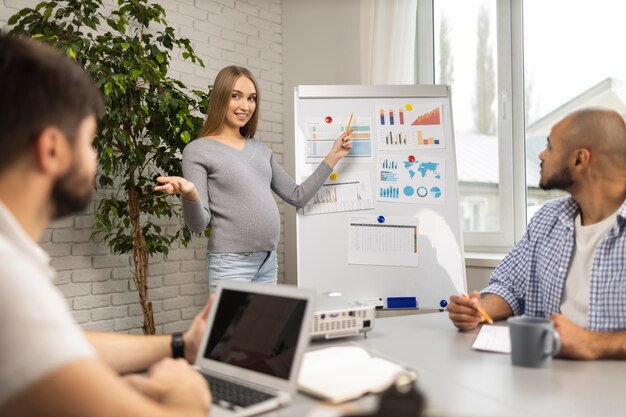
366, 252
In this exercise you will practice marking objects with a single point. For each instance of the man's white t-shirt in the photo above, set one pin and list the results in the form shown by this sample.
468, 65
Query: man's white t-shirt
39, 334
575, 302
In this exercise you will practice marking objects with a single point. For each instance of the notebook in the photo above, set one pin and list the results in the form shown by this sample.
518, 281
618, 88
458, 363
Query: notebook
343, 373
252, 346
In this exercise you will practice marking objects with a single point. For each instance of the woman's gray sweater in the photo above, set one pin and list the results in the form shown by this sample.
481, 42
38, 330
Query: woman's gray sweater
235, 189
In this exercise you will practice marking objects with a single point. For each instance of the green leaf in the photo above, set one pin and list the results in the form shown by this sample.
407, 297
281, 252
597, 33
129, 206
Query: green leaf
112, 23
185, 136
160, 58
13, 19
71, 53
47, 13
136, 73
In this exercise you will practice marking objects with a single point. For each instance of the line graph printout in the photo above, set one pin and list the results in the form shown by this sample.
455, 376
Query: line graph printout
380, 240
348, 192
408, 178
409, 126
321, 132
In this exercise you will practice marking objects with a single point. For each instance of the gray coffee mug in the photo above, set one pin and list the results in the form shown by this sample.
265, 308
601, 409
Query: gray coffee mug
534, 341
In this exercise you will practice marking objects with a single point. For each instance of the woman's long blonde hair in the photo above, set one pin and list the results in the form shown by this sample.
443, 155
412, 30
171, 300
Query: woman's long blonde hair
220, 99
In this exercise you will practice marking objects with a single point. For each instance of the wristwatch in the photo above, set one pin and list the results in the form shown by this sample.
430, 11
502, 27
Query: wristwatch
178, 345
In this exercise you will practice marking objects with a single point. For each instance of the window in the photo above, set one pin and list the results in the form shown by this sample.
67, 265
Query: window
473, 214
469, 53
466, 59
549, 58
578, 65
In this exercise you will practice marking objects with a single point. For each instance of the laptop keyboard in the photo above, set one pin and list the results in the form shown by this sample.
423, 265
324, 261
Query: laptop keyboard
233, 394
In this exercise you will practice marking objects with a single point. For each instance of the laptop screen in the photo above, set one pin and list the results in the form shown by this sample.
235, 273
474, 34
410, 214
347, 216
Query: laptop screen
256, 331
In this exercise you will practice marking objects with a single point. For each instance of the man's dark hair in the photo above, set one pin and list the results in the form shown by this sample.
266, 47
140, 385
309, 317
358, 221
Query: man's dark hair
40, 87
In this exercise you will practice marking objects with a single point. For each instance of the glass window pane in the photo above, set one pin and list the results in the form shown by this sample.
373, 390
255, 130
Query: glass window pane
573, 59
466, 59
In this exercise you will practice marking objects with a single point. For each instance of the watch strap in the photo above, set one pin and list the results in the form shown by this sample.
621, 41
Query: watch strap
178, 345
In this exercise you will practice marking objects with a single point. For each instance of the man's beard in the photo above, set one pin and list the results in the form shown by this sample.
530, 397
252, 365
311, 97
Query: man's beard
66, 195
559, 181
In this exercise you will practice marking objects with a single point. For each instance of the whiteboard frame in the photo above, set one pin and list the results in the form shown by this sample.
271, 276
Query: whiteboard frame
428, 295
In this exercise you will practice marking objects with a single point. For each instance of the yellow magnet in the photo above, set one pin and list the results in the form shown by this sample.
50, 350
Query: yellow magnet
334, 176
408, 107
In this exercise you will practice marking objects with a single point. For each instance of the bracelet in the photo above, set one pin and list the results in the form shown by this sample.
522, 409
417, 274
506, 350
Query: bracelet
178, 345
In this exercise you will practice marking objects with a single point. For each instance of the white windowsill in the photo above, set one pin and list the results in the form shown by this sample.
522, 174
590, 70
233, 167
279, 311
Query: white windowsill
483, 259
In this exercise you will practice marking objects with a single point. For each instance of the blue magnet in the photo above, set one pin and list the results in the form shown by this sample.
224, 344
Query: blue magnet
443, 303
381, 219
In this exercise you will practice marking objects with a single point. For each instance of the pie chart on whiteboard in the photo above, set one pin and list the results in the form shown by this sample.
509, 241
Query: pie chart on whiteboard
436, 192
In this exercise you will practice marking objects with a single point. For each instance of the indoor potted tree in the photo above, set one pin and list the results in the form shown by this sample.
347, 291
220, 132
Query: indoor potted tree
149, 116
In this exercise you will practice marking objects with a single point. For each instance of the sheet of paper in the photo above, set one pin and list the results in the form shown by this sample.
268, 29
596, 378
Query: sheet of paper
410, 126
493, 339
408, 178
322, 131
380, 240
350, 191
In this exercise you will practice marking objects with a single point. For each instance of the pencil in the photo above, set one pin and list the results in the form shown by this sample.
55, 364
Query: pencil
349, 123
481, 311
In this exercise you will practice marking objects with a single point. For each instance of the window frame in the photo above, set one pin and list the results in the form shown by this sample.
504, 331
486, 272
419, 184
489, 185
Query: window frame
511, 124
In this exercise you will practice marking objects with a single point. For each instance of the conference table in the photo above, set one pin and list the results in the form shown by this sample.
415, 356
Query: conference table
460, 381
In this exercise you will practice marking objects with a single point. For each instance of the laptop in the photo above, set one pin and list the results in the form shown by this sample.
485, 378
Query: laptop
253, 345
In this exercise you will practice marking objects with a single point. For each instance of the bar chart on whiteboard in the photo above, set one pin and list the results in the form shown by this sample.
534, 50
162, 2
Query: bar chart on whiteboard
322, 132
412, 126
351, 191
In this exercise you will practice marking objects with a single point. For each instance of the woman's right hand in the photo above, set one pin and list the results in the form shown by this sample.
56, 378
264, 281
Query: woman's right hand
177, 185
341, 147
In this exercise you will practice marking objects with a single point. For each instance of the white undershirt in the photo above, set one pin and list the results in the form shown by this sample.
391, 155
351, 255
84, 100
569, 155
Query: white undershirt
575, 302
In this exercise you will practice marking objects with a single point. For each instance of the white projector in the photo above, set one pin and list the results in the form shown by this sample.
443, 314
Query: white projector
335, 317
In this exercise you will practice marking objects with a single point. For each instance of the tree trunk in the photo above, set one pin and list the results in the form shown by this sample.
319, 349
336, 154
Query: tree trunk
140, 258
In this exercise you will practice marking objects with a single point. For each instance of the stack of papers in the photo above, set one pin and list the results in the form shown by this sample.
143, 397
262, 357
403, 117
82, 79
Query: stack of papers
344, 373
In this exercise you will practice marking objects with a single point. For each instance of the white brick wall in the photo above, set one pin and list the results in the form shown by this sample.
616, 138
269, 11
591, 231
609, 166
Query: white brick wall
98, 285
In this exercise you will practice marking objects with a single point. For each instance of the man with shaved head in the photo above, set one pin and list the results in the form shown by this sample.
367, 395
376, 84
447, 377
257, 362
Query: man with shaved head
570, 265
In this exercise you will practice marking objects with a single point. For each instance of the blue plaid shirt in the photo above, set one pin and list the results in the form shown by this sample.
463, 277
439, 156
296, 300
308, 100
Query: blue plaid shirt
532, 276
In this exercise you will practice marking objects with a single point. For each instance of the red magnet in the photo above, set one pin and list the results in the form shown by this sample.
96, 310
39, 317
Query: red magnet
328, 119
411, 158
